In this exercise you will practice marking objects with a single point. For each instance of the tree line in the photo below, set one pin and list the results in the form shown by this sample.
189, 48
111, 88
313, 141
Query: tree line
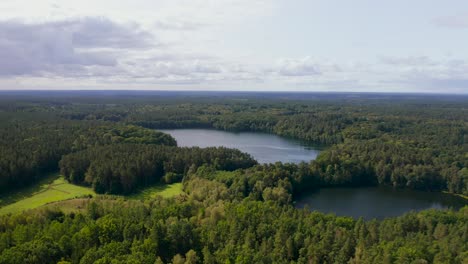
29, 149
122, 168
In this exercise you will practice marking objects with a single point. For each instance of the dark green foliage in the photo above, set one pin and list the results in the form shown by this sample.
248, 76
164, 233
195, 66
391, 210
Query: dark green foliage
43, 250
30, 149
122, 168
223, 232
115, 134
278, 183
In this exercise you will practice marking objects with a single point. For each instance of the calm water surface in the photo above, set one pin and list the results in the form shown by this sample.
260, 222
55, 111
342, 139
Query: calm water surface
376, 202
265, 148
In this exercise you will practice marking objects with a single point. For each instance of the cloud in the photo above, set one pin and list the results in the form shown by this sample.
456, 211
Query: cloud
102, 53
99, 48
95, 32
455, 21
303, 67
408, 61
297, 67
64, 47
185, 68
437, 76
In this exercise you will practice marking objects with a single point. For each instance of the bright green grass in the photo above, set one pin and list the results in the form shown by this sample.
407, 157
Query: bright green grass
164, 190
55, 188
51, 189
79, 205
10, 197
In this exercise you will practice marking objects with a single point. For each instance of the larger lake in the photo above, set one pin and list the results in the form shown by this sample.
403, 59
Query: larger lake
265, 148
376, 202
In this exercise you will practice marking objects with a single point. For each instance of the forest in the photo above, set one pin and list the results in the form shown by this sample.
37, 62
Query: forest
232, 210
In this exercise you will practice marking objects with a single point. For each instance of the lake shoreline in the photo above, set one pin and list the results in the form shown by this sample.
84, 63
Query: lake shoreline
263, 147
375, 202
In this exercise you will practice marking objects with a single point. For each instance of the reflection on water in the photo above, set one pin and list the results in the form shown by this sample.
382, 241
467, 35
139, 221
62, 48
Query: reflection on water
265, 148
359, 202
376, 202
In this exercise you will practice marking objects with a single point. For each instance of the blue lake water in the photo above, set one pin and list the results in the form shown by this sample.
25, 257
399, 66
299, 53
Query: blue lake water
376, 202
369, 202
265, 148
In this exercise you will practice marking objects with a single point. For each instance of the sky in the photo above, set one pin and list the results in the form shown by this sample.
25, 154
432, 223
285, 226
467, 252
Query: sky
245, 45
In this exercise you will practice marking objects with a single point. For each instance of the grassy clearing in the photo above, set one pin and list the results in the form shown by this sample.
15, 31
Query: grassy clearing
80, 204
54, 188
7, 198
51, 189
164, 190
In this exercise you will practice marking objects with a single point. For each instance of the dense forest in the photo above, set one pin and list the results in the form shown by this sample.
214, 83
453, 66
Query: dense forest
174, 231
30, 149
119, 169
233, 210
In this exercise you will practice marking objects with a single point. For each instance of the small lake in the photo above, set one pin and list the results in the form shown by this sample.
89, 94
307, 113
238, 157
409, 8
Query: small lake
376, 202
265, 148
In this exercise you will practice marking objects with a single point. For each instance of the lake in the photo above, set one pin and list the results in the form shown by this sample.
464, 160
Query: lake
265, 148
369, 202
376, 202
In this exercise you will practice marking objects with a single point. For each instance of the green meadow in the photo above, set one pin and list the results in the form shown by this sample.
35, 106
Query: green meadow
164, 190
55, 188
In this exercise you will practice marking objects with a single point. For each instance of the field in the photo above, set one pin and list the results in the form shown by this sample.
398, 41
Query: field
80, 204
164, 190
52, 189
55, 188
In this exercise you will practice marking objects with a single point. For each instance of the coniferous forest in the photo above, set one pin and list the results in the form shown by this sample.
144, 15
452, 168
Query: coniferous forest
232, 209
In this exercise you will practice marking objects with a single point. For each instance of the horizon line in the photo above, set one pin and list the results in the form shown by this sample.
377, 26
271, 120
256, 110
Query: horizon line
235, 91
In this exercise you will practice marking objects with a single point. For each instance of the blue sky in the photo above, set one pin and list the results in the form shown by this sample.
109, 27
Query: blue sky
262, 45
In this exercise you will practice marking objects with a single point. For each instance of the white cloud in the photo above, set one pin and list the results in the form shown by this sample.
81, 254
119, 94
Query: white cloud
297, 67
436, 76
66, 47
407, 61
193, 44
